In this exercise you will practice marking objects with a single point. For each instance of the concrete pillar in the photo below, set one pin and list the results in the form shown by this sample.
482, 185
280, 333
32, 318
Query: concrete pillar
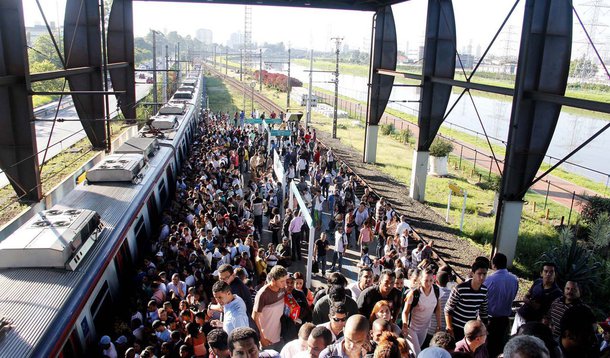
508, 229
370, 148
419, 172
312, 239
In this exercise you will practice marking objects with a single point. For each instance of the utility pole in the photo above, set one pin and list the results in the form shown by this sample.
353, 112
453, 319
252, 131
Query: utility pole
214, 56
166, 74
260, 70
337, 43
179, 75
241, 66
226, 61
155, 99
289, 87
308, 118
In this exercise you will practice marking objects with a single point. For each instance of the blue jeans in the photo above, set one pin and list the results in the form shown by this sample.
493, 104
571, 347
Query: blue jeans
322, 263
337, 256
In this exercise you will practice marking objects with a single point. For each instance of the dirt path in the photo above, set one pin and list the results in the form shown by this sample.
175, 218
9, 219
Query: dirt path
457, 252
559, 190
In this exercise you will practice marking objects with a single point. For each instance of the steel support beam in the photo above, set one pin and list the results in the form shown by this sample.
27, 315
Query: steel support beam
544, 62
83, 48
121, 49
439, 62
384, 52
18, 158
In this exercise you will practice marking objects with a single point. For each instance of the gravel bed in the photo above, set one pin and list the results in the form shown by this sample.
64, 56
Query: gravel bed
457, 252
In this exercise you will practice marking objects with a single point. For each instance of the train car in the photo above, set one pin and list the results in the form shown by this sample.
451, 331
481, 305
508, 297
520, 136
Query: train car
62, 272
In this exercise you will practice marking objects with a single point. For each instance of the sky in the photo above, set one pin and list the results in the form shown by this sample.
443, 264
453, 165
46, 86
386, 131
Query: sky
477, 21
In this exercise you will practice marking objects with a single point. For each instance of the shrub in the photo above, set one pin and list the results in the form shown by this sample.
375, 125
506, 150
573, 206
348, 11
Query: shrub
595, 205
404, 135
387, 129
599, 233
440, 148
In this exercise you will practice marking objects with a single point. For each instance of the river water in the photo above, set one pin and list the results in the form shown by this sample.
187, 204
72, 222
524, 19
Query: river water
572, 129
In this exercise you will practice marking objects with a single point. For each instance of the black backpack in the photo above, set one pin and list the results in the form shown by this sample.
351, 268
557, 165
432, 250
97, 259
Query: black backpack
416, 294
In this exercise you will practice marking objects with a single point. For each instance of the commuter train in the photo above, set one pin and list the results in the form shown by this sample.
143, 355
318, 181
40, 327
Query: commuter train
62, 271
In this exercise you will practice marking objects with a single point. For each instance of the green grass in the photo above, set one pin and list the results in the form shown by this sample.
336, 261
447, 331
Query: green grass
480, 143
38, 100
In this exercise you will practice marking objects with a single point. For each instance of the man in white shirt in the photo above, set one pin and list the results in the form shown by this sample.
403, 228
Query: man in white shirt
365, 280
340, 247
403, 226
296, 346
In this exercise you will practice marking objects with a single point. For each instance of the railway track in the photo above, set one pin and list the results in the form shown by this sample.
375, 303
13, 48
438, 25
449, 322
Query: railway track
442, 254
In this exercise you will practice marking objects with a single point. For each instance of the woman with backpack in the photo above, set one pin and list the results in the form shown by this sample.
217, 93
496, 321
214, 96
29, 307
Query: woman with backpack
421, 304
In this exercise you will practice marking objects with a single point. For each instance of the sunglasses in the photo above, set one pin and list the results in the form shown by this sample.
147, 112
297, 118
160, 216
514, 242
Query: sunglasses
339, 319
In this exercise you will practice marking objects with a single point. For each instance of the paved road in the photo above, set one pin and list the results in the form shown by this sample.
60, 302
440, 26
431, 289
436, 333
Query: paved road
66, 134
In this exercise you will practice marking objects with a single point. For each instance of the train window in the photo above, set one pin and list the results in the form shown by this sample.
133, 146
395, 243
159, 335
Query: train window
98, 299
162, 193
141, 235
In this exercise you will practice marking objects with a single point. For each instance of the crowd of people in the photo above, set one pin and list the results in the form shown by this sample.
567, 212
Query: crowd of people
224, 277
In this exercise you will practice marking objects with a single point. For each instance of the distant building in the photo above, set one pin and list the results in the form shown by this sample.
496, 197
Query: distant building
466, 59
236, 40
33, 32
205, 36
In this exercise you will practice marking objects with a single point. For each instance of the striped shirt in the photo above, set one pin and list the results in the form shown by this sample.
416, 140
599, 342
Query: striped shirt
558, 308
465, 304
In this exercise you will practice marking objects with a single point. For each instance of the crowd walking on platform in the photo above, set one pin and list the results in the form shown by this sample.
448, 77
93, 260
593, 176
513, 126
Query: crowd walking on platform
221, 277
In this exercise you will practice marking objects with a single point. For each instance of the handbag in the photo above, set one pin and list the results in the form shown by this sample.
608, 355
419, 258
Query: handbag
315, 268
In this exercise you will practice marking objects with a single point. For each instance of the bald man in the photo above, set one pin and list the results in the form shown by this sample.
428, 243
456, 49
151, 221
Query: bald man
355, 342
475, 336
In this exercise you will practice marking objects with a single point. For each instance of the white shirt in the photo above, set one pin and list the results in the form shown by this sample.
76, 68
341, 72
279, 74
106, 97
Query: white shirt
402, 227
340, 241
292, 348
355, 290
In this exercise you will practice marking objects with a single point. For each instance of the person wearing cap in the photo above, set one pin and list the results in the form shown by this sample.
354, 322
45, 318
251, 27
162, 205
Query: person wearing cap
108, 348
163, 334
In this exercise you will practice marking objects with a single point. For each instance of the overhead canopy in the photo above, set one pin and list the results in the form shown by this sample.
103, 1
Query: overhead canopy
370, 5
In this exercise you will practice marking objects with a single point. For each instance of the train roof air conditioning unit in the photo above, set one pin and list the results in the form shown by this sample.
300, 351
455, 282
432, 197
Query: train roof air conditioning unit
183, 94
192, 82
173, 108
117, 167
56, 238
164, 121
145, 146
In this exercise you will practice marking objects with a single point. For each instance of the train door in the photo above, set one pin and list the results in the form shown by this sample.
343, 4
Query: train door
153, 211
123, 263
141, 237
102, 311
171, 180
72, 348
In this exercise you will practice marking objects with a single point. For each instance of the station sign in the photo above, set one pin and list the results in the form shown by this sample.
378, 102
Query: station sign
274, 121
253, 121
281, 132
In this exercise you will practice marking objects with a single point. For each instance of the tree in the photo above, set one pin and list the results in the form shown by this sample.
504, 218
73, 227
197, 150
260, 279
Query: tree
55, 85
583, 68
43, 50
